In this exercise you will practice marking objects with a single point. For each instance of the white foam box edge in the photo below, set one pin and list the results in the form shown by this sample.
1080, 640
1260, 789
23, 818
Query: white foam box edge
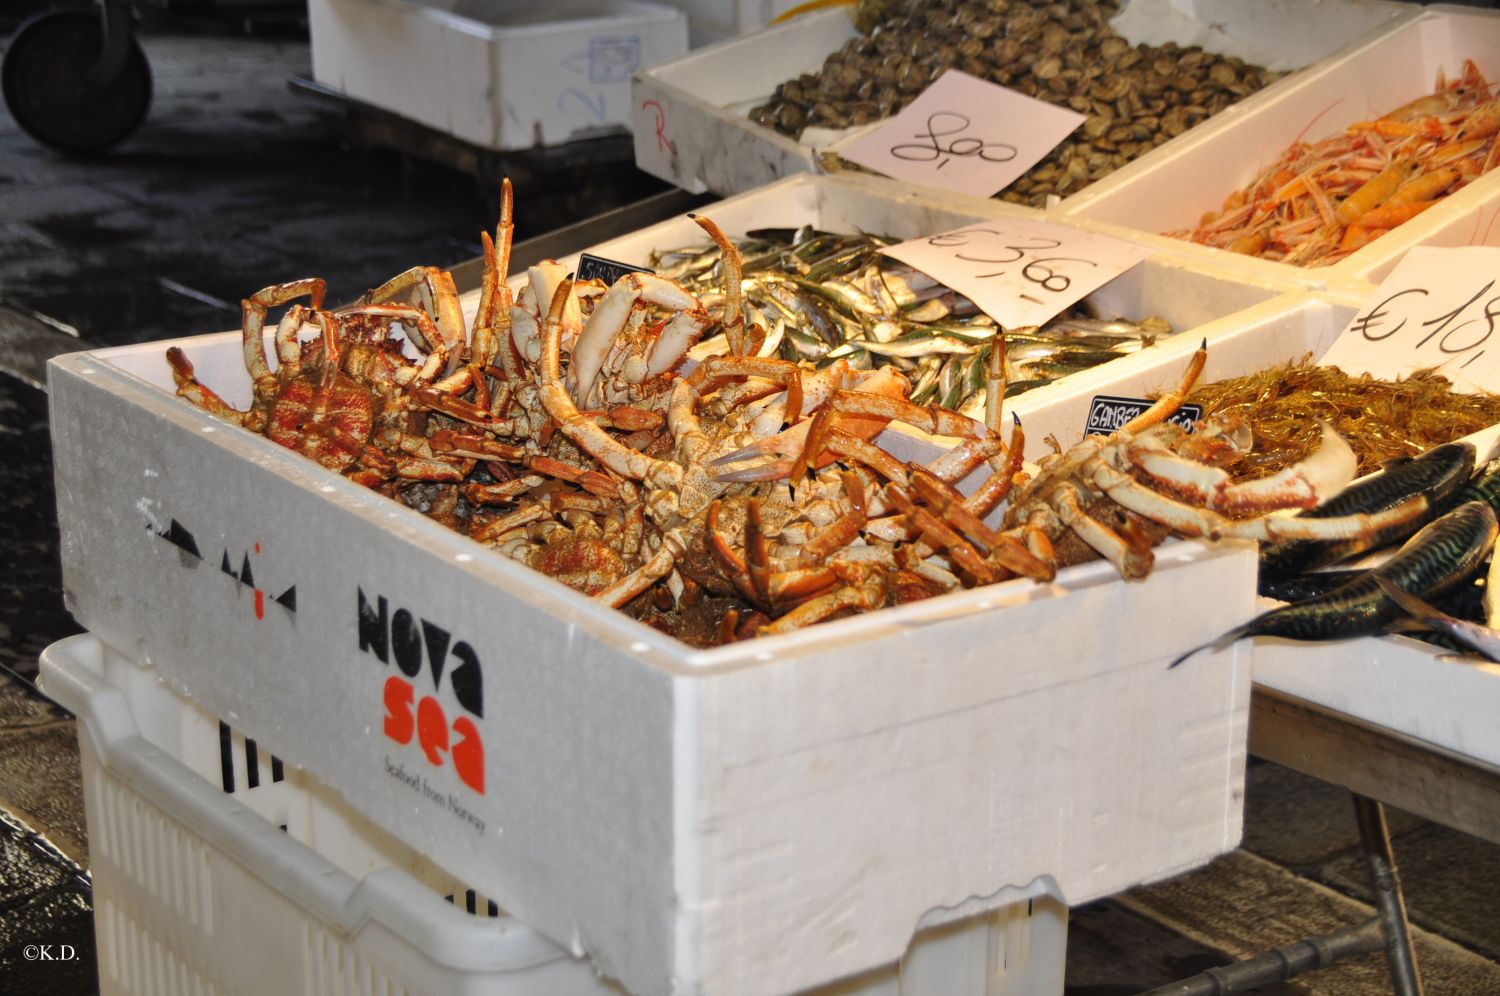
756, 818
1170, 187
495, 85
691, 127
711, 21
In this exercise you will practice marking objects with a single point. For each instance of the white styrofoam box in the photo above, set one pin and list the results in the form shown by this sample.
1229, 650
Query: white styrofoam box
1196, 297
497, 75
712, 21
691, 127
1171, 187
277, 856
759, 817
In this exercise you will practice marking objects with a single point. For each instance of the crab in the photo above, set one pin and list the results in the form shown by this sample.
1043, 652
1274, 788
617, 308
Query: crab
1156, 471
307, 404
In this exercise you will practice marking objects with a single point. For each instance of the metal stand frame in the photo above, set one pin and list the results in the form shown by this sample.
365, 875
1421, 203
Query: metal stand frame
1387, 930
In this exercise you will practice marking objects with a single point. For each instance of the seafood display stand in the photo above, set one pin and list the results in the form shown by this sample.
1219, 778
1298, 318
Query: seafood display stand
761, 817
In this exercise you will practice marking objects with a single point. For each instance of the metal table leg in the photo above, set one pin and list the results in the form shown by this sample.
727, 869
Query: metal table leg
1376, 838
1388, 929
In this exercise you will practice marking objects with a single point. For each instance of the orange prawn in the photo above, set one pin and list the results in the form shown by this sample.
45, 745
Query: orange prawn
1391, 214
1375, 192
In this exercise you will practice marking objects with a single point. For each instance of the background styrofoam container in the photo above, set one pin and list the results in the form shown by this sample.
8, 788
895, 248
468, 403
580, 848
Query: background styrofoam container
691, 127
500, 76
759, 817
1195, 297
286, 858
1171, 187
712, 21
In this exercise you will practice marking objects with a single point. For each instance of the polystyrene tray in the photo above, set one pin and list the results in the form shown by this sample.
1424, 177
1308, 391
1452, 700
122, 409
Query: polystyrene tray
756, 818
1171, 187
496, 75
690, 119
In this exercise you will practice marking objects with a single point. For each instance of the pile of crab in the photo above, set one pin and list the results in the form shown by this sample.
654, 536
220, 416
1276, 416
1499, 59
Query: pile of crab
727, 496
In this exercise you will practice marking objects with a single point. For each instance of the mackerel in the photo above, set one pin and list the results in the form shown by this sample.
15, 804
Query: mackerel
1439, 474
1439, 558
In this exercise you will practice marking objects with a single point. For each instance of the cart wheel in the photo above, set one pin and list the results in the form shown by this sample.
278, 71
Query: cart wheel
46, 84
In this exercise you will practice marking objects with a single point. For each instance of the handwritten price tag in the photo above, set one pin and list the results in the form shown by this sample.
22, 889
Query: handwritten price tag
964, 134
1437, 308
1020, 272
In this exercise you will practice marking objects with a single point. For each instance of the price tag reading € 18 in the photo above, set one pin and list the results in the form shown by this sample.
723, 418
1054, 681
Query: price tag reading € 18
1017, 271
1437, 308
965, 134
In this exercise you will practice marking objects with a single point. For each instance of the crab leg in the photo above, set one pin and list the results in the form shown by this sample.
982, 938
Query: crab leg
492, 320
862, 594
609, 319
583, 432
843, 530
252, 326
1130, 559
432, 290
1303, 485
934, 419
1192, 521
189, 387
734, 319
644, 576
1168, 403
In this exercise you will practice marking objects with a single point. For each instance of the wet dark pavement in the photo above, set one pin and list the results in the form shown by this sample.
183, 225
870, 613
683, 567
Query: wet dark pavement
236, 183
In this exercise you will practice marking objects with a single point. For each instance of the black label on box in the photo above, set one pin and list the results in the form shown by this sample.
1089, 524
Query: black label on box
599, 268
1107, 414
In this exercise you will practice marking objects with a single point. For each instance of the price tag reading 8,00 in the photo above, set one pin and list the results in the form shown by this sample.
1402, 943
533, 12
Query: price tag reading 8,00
1437, 308
1020, 272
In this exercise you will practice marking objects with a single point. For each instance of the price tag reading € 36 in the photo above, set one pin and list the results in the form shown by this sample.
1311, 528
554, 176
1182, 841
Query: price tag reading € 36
964, 134
1438, 308
1018, 271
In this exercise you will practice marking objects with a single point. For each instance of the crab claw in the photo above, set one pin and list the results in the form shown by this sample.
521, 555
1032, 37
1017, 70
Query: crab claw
1305, 484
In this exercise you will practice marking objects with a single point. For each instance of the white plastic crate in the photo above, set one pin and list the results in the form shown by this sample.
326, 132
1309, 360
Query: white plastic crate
501, 76
215, 867
1169, 188
691, 127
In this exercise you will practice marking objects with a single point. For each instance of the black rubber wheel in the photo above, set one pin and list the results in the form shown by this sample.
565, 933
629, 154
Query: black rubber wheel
45, 81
